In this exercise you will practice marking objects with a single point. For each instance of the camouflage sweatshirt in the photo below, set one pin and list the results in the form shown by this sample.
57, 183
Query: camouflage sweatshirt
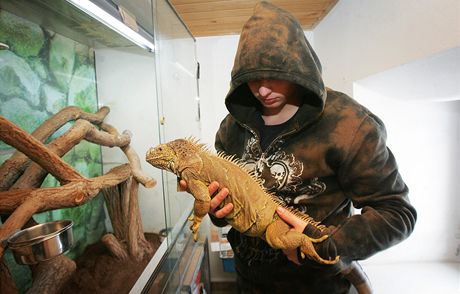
331, 156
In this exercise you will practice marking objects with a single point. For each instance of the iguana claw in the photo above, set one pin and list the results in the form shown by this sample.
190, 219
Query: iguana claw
195, 225
197, 166
308, 251
318, 240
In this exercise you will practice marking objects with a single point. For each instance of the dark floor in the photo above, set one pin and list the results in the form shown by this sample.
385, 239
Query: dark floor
223, 288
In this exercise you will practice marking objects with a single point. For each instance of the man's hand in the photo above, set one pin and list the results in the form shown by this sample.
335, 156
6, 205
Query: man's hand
216, 200
297, 225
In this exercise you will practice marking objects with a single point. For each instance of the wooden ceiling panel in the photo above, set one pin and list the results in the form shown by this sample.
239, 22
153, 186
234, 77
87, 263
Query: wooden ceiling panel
226, 17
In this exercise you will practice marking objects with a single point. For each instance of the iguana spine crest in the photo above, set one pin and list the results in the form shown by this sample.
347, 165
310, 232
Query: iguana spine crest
254, 208
240, 164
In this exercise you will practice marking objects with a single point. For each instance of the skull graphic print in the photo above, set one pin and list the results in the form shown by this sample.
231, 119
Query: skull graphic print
281, 174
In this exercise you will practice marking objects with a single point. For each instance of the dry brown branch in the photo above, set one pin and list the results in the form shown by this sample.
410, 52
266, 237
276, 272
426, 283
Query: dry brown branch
133, 220
37, 151
51, 125
7, 284
70, 195
114, 246
138, 246
23, 200
51, 275
12, 168
133, 158
123, 208
114, 210
75, 193
82, 129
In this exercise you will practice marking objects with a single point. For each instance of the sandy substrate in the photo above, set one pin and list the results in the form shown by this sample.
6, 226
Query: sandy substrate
99, 272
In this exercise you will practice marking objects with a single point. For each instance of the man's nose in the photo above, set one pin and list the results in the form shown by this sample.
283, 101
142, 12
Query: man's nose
264, 91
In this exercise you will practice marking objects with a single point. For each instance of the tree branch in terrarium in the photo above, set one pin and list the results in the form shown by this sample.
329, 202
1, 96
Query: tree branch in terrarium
74, 193
81, 130
133, 159
13, 167
24, 171
37, 151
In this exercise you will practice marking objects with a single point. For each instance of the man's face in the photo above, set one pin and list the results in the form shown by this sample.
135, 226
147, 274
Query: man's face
273, 93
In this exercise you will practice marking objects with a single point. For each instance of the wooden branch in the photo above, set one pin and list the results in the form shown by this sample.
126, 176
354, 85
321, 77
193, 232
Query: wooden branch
115, 247
82, 129
113, 198
51, 125
51, 275
117, 202
37, 151
125, 195
123, 207
7, 284
133, 158
61, 197
12, 168
120, 185
133, 216
31, 201
138, 246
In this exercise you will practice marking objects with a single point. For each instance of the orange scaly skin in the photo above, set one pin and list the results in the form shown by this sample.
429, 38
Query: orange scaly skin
254, 210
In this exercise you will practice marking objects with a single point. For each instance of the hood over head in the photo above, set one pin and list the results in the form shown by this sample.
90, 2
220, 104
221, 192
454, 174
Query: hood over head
273, 46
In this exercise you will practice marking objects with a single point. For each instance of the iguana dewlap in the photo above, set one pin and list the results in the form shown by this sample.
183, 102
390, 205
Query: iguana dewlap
254, 209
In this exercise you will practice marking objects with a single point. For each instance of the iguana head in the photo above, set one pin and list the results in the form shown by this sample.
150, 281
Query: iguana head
175, 155
163, 157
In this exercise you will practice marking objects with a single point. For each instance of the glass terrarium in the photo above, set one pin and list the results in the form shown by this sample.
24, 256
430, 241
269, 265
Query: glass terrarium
62, 63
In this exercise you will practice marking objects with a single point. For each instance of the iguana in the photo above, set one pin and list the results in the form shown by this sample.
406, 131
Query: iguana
254, 209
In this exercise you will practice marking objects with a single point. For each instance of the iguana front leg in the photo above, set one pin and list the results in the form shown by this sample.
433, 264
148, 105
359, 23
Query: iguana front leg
201, 206
279, 235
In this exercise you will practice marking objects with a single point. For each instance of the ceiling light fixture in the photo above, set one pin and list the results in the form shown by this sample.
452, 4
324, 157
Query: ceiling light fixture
112, 22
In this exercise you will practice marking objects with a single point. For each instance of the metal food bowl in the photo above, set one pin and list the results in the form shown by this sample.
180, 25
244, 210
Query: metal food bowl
41, 242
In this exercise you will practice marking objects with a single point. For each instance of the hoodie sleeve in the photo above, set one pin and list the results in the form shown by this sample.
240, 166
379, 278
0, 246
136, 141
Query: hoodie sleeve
370, 178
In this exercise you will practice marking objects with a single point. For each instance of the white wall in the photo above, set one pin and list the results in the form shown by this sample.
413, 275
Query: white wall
424, 137
434, 78
215, 55
360, 38
126, 84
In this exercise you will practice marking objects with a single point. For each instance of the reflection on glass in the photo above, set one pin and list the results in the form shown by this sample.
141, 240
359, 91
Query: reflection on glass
59, 56
177, 91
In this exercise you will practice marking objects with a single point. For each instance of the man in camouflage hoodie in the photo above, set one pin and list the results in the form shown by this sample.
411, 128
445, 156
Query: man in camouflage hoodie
317, 149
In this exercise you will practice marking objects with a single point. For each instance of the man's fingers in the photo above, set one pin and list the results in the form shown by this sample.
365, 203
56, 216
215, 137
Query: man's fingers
290, 218
217, 200
224, 210
213, 187
183, 185
286, 214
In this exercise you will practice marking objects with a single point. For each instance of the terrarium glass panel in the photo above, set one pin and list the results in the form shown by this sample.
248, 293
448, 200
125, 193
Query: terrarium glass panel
41, 73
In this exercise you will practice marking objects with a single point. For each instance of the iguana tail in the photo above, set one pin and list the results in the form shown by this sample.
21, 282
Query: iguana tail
353, 272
